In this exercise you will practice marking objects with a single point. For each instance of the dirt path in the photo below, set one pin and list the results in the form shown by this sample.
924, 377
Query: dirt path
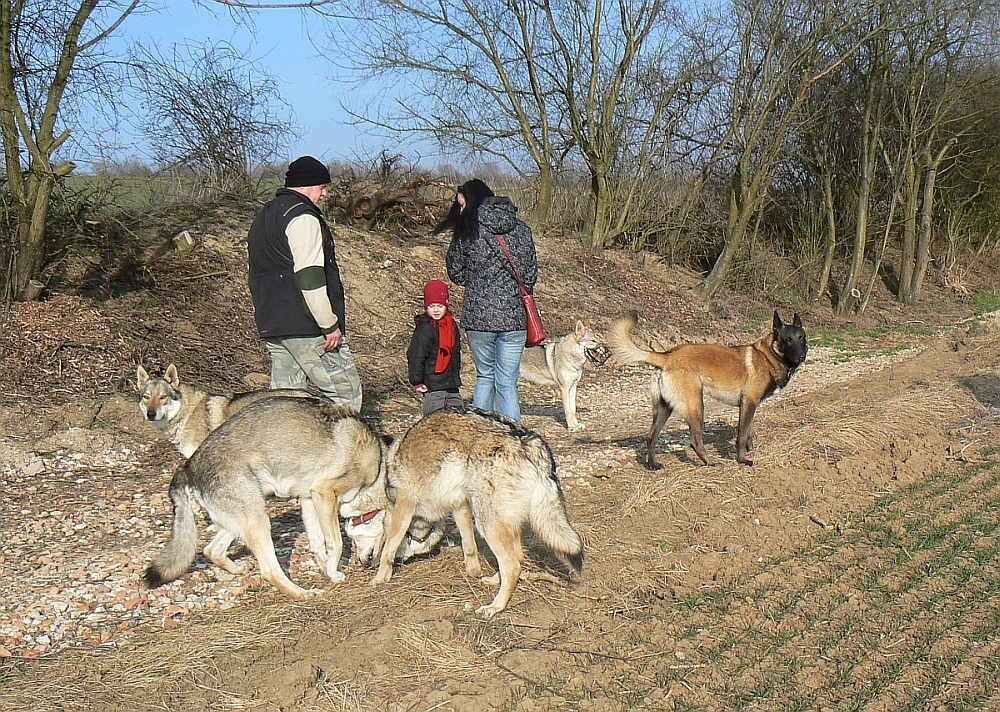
854, 566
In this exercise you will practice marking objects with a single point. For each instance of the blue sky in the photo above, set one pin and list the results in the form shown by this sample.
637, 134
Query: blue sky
279, 42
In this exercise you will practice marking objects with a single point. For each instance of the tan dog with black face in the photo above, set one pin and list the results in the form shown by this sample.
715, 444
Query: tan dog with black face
741, 376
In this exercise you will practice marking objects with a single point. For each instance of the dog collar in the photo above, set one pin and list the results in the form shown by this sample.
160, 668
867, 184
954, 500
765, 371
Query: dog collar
364, 518
420, 540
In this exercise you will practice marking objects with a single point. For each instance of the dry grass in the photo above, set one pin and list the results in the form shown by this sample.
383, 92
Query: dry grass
666, 494
158, 665
421, 656
847, 427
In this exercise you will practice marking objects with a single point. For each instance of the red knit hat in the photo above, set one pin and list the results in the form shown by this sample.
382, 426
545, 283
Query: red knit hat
436, 292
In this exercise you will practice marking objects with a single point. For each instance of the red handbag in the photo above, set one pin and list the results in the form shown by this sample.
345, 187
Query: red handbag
536, 332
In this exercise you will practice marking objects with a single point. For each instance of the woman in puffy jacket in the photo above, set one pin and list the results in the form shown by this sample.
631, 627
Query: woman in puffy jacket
493, 313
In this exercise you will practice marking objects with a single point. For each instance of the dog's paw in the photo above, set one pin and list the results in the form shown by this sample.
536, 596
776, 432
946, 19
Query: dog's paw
493, 580
380, 578
231, 567
311, 593
473, 568
488, 611
335, 576
575, 427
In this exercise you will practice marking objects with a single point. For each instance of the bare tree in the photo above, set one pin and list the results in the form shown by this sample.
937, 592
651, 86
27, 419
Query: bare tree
900, 91
869, 69
925, 99
42, 47
901, 109
212, 110
783, 48
532, 82
621, 68
475, 78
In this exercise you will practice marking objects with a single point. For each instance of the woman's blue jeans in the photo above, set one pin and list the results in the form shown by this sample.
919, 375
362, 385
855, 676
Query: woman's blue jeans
498, 362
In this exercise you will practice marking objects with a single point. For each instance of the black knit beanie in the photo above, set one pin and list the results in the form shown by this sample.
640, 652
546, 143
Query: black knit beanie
306, 171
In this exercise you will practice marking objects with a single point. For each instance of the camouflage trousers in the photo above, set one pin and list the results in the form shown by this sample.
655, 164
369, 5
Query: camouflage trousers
298, 361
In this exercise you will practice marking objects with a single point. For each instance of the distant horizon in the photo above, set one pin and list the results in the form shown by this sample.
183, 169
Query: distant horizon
139, 167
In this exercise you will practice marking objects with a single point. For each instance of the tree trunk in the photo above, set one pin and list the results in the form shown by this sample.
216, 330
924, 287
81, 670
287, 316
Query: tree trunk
543, 203
600, 196
830, 236
877, 262
923, 257
869, 147
741, 210
850, 293
29, 233
911, 189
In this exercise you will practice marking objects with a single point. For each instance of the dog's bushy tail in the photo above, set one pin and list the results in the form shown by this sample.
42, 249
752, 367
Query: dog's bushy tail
180, 550
619, 338
548, 515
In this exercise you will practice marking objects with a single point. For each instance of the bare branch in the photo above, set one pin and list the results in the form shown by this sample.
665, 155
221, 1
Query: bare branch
212, 110
273, 6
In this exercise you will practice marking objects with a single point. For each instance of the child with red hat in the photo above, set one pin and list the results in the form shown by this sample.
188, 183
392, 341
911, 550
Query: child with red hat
435, 353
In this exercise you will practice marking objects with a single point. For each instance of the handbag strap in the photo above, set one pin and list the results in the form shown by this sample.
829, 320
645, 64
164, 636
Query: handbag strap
517, 275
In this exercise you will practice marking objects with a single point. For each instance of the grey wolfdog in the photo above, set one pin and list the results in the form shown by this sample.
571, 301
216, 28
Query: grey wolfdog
283, 446
560, 363
185, 414
742, 376
484, 468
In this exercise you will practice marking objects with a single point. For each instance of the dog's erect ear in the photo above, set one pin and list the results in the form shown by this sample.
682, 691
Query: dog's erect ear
581, 328
778, 324
141, 377
797, 321
171, 376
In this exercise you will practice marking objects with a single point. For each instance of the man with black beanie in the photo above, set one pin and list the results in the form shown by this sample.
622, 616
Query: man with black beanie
298, 297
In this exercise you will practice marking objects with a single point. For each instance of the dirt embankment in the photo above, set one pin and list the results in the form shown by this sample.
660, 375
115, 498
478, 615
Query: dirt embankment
854, 565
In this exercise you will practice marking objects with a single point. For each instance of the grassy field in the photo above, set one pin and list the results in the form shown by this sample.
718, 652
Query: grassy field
899, 612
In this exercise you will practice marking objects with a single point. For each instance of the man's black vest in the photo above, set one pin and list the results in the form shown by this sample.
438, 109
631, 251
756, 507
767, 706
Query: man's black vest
279, 307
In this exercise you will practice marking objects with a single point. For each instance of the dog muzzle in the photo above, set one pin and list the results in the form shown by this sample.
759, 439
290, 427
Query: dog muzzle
598, 355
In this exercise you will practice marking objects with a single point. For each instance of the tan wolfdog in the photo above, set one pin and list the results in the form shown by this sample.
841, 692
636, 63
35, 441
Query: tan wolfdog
483, 468
185, 414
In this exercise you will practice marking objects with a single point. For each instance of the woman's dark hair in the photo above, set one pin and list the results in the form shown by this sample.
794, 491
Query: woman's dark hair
465, 223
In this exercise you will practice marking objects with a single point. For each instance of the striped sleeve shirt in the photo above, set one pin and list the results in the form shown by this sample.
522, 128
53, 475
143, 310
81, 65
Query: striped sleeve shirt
305, 239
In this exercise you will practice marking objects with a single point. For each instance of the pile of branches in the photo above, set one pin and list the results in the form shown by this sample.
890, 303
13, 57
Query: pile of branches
391, 197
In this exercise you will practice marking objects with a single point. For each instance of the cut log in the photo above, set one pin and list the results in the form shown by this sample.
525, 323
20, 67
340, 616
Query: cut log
183, 242
33, 291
